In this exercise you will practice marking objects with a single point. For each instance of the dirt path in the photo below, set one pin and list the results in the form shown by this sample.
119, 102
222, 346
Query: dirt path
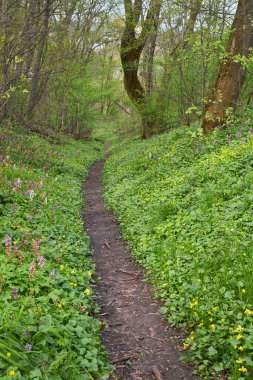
137, 338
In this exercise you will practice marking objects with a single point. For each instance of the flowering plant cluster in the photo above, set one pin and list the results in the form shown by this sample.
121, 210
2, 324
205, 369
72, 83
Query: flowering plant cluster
185, 204
47, 325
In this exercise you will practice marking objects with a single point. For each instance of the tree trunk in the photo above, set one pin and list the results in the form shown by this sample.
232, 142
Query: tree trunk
148, 59
131, 49
33, 99
231, 75
179, 47
195, 6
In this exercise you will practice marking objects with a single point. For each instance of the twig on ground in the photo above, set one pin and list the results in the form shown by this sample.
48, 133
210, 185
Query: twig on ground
125, 359
107, 245
110, 303
130, 273
154, 337
115, 324
156, 374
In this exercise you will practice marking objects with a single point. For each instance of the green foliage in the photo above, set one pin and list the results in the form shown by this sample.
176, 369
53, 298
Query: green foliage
47, 324
185, 206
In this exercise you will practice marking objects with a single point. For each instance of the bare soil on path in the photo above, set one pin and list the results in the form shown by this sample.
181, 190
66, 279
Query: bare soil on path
138, 339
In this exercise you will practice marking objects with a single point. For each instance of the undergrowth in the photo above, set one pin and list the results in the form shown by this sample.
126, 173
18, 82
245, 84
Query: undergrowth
47, 324
185, 205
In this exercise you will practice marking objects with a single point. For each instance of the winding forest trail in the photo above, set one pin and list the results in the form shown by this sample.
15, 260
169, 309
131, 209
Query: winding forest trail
137, 338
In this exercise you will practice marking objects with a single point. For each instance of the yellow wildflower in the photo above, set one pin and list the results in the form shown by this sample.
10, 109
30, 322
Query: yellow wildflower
241, 348
194, 304
87, 292
239, 336
11, 372
248, 312
240, 328
59, 305
243, 291
240, 360
243, 369
212, 326
8, 354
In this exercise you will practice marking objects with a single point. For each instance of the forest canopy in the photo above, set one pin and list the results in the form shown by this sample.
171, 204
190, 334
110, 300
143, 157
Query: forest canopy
154, 64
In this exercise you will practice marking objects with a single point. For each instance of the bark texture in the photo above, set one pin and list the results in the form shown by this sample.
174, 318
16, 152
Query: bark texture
231, 75
34, 93
132, 46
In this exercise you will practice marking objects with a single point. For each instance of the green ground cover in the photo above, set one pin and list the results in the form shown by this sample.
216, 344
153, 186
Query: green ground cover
47, 324
185, 205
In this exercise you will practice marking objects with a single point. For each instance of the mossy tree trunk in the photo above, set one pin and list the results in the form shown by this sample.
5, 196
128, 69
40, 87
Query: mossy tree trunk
231, 75
132, 46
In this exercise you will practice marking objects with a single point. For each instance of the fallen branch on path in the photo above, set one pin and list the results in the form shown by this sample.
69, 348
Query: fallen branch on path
154, 337
115, 324
124, 359
133, 277
129, 273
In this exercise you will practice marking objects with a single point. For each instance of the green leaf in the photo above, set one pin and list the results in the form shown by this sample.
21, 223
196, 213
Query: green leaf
212, 351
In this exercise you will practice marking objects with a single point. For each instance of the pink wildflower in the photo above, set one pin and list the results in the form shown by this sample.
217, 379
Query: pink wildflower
21, 257
32, 269
28, 347
41, 262
31, 186
32, 195
52, 273
36, 246
8, 245
15, 293
17, 184
24, 242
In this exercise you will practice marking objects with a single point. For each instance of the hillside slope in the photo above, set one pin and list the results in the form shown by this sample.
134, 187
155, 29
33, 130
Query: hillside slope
47, 324
185, 205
